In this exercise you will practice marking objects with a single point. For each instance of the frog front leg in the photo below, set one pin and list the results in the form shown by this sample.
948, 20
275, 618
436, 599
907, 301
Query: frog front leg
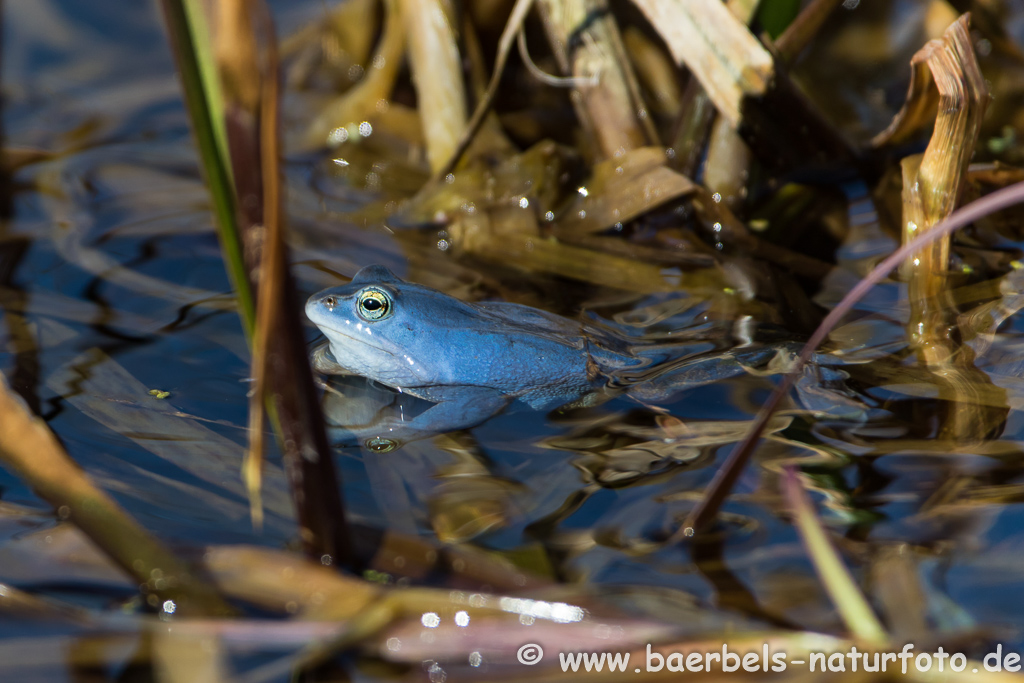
454, 408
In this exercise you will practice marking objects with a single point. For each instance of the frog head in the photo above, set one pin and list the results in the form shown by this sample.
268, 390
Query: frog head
382, 327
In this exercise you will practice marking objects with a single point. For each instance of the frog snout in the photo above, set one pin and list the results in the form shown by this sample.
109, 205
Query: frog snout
315, 309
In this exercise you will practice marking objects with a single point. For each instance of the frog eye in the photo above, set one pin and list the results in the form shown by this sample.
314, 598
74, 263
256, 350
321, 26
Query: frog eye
373, 304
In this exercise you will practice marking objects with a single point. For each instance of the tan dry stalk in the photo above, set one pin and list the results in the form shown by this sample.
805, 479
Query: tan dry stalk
727, 167
802, 30
437, 74
696, 115
932, 183
280, 361
584, 265
851, 604
29, 448
588, 46
743, 9
237, 55
485, 100
271, 273
655, 70
716, 47
183, 657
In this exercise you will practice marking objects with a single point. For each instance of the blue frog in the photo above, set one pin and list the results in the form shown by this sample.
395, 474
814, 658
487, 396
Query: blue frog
472, 360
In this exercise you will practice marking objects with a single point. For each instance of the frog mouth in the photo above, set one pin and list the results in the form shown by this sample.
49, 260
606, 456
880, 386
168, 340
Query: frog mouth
349, 342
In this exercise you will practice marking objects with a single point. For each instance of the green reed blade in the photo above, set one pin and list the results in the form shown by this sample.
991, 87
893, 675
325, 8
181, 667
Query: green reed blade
189, 36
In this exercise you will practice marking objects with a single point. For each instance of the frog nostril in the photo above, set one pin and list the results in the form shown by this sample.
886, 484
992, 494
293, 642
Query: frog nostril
330, 302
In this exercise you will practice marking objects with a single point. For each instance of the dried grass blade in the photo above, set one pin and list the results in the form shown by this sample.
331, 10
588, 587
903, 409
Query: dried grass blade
437, 74
280, 363
189, 37
706, 511
18, 604
716, 46
623, 188
900, 593
512, 27
587, 44
932, 189
31, 450
803, 29
247, 94
181, 655
932, 185
851, 604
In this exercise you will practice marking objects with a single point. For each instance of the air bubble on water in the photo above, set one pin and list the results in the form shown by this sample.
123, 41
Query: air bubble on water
337, 136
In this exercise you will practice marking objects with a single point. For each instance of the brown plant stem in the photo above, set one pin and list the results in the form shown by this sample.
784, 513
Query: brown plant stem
706, 510
588, 46
30, 449
280, 361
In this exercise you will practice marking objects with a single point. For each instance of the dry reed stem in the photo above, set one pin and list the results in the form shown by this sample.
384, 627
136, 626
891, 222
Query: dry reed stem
437, 74
715, 494
181, 656
512, 27
696, 115
272, 270
655, 70
237, 54
588, 46
30, 449
933, 182
951, 59
717, 48
727, 166
802, 30
280, 361
842, 589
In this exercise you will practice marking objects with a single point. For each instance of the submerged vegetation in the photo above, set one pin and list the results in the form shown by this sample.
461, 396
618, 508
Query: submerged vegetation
807, 212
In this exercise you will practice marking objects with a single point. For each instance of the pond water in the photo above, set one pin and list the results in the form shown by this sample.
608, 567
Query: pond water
112, 285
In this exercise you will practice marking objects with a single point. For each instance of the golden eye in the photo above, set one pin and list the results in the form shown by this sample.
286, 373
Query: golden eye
380, 444
373, 304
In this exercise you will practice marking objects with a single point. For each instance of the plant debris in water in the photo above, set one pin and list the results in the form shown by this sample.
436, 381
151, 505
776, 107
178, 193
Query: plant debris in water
704, 181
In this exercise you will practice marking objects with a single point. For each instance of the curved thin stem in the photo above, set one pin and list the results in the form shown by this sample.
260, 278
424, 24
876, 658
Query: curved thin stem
702, 515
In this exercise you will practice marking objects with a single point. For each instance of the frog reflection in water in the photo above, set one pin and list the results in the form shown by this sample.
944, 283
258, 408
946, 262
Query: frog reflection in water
472, 360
